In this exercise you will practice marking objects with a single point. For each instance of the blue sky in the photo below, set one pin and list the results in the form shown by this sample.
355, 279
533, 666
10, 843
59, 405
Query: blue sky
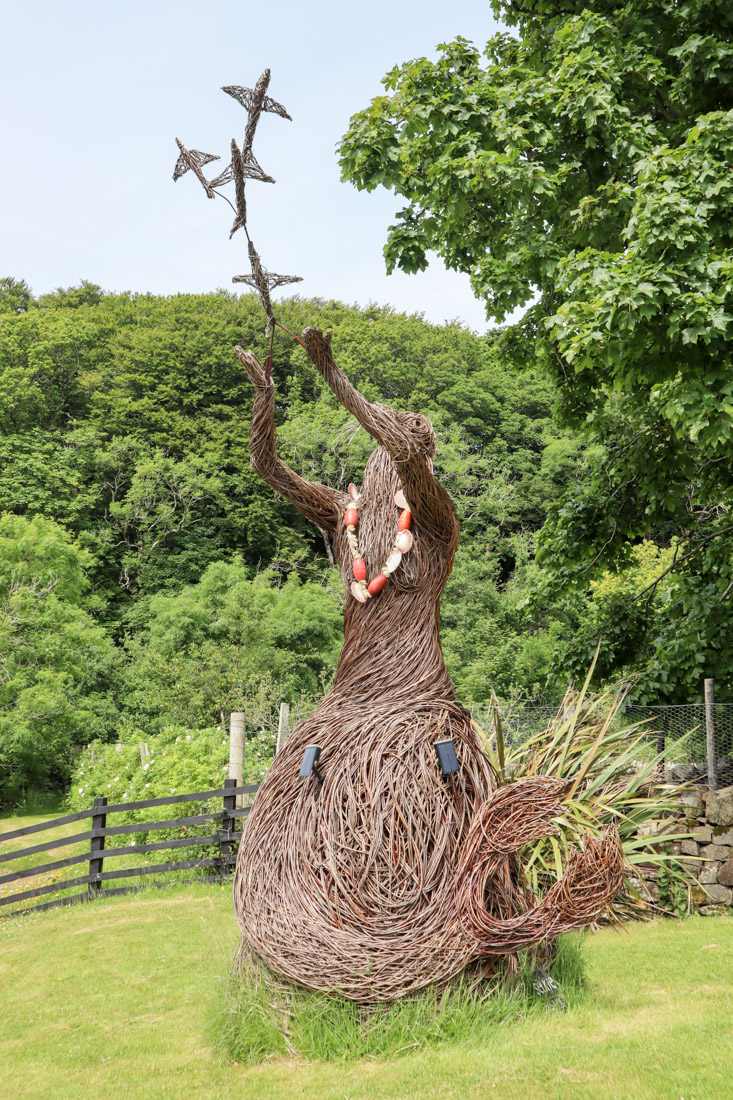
94, 95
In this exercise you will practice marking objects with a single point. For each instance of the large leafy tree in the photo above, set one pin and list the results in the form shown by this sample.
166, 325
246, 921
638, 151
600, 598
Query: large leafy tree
208, 649
581, 167
56, 664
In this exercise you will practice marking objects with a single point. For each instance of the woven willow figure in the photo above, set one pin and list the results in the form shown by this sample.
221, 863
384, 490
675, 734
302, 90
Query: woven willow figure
386, 877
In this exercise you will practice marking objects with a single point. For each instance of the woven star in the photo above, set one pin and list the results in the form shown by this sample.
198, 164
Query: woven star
250, 170
240, 222
271, 279
193, 160
245, 96
263, 282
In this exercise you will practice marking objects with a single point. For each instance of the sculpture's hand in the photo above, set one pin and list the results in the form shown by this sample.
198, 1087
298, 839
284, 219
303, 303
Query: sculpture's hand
318, 347
254, 369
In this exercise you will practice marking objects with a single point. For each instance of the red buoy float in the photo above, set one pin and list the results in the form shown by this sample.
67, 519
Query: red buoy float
359, 568
405, 521
377, 584
351, 517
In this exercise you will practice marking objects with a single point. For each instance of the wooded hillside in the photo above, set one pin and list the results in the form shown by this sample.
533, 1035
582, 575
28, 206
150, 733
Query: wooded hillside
148, 578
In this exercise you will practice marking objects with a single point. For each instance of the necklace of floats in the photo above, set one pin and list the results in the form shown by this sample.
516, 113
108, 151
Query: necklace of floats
362, 590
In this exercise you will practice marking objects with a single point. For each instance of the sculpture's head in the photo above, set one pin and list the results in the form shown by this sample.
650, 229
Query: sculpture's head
419, 428
380, 472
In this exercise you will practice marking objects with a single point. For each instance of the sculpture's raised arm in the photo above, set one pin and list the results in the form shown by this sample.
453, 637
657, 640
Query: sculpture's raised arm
318, 503
408, 437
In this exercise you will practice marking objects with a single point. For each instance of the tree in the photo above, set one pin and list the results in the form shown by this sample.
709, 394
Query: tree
205, 651
585, 168
632, 629
57, 665
15, 295
72, 297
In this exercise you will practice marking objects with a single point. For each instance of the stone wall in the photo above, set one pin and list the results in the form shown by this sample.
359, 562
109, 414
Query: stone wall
707, 855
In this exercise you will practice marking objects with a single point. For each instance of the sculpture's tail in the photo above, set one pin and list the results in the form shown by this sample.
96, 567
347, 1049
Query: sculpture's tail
511, 817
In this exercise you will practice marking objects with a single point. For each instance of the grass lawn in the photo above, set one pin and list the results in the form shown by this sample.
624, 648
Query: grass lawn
114, 999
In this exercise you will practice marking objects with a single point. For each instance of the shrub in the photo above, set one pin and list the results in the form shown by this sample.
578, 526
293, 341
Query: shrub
179, 760
611, 777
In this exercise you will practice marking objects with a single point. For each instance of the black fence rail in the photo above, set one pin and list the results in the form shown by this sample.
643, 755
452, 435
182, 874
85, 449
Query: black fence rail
223, 839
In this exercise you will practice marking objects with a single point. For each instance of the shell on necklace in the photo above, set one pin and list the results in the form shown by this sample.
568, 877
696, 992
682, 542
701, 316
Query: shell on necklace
353, 491
392, 561
400, 499
358, 591
404, 541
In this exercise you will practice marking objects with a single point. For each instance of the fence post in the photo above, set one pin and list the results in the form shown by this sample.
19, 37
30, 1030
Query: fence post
96, 859
144, 753
283, 726
710, 738
227, 825
660, 720
237, 736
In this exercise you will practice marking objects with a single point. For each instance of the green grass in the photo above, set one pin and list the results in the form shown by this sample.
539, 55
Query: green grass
116, 998
261, 1017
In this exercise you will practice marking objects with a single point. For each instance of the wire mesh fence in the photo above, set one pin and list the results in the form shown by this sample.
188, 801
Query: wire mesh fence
677, 730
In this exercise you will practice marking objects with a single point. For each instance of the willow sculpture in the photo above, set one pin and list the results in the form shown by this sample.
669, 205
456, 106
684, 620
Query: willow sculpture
378, 873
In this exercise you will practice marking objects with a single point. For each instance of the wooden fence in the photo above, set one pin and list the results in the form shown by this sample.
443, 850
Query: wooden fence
223, 841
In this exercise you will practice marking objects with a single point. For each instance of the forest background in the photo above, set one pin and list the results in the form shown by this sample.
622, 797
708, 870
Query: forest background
579, 167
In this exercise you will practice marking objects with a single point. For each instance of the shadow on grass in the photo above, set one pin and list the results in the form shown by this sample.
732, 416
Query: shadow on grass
261, 1019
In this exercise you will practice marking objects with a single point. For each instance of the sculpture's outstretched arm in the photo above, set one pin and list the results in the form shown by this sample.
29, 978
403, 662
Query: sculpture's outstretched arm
432, 507
318, 503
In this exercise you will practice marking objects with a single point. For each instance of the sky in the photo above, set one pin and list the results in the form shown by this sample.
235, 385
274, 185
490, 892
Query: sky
94, 95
